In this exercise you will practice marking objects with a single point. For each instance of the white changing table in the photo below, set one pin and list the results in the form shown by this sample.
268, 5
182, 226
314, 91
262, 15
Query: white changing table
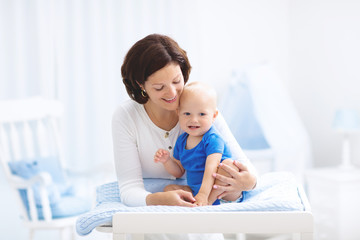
298, 223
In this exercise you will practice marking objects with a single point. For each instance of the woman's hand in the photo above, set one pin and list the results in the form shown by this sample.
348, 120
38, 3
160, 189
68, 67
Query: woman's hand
241, 180
172, 198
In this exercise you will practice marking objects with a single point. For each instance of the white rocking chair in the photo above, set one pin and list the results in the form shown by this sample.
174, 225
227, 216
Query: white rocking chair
29, 131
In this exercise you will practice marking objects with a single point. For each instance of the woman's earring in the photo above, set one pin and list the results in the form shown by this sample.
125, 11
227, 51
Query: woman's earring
143, 93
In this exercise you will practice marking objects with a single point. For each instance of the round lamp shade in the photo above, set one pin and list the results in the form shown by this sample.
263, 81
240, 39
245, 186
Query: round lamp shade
346, 120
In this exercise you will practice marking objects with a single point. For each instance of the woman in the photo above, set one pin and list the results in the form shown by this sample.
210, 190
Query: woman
154, 72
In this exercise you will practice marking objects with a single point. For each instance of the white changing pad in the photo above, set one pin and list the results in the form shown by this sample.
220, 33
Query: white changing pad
276, 191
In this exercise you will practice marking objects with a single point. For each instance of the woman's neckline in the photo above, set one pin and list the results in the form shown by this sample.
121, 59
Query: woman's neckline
158, 126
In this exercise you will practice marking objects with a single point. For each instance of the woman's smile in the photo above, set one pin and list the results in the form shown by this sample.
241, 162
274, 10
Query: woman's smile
171, 100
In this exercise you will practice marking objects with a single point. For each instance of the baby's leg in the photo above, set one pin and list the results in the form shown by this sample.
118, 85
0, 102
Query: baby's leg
173, 187
215, 193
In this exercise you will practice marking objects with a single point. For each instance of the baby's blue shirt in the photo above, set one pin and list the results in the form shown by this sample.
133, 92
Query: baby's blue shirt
193, 160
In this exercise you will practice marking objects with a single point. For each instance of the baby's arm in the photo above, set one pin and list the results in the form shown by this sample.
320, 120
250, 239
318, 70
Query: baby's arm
211, 165
171, 165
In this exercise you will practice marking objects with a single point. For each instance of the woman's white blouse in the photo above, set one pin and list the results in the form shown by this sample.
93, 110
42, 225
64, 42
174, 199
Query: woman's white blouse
136, 139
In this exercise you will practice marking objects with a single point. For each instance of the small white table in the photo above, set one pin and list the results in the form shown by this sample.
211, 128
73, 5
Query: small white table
334, 195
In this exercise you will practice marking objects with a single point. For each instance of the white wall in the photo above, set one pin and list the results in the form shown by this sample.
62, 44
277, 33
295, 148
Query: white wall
312, 44
237, 33
324, 61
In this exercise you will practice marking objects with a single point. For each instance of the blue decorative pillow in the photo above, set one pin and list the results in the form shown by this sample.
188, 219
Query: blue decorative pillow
68, 206
53, 167
63, 201
27, 169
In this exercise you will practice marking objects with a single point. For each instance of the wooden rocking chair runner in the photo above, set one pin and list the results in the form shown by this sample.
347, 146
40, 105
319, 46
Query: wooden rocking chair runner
30, 154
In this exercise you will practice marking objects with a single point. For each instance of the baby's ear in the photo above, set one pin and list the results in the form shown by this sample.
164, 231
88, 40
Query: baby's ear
216, 114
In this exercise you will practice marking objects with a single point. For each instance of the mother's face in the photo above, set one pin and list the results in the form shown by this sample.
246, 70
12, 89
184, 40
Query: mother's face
165, 86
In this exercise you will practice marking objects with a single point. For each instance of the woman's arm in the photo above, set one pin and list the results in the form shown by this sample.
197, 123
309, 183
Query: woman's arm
127, 161
243, 180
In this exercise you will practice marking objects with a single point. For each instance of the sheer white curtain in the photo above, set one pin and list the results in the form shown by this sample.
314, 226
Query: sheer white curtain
73, 51
26, 59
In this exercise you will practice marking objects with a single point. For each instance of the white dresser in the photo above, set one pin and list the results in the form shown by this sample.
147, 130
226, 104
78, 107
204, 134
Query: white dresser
334, 196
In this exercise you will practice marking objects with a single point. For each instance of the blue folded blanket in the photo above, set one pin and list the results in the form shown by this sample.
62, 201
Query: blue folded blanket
274, 192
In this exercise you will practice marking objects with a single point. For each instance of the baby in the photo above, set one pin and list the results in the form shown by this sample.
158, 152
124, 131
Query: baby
200, 149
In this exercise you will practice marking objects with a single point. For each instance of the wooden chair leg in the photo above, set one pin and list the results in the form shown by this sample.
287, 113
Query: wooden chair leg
306, 236
72, 232
31, 234
138, 236
64, 234
240, 236
119, 236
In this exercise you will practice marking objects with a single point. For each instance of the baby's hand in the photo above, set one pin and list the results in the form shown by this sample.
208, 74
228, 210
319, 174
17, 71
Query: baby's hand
162, 156
201, 199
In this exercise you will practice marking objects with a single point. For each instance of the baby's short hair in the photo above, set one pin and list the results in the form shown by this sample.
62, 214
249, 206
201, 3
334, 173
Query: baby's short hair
201, 88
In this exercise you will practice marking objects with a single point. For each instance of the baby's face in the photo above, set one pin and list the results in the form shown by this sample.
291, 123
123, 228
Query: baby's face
196, 114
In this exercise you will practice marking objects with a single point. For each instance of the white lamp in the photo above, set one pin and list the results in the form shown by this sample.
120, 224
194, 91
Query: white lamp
347, 122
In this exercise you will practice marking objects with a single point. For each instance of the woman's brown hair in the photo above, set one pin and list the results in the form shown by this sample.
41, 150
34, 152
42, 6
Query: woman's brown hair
147, 56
